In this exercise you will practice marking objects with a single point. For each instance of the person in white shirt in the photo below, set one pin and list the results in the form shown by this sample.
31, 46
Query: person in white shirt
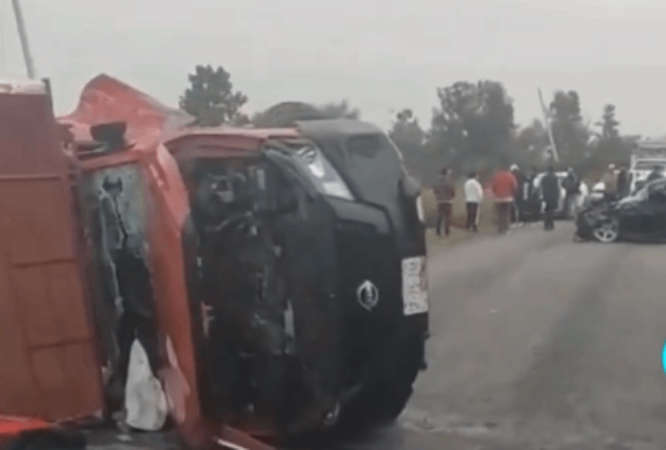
473, 197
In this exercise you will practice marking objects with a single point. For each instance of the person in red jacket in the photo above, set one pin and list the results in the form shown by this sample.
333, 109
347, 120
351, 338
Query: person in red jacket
503, 187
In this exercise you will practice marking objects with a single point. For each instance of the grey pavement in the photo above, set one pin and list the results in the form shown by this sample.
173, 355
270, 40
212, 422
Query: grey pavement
539, 343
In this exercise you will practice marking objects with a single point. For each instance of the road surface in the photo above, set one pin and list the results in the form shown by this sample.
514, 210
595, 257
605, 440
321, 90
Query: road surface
539, 343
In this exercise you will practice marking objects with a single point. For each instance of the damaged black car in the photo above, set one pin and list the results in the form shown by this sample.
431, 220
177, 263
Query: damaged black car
639, 217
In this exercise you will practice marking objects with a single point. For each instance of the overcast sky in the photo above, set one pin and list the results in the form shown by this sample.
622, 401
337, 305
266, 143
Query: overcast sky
382, 55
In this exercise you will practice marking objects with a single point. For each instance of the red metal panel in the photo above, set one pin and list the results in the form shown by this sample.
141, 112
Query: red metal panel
18, 395
28, 137
49, 367
37, 219
51, 303
167, 209
106, 99
61, 376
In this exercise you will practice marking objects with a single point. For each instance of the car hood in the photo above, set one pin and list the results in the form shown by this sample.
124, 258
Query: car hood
602, 209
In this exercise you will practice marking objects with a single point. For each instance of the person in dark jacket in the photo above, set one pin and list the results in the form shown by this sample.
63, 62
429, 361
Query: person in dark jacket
445, 191
623, 182
550, 192
137, 320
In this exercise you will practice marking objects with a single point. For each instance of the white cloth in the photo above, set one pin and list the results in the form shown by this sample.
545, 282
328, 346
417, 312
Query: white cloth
145, 401
473, 191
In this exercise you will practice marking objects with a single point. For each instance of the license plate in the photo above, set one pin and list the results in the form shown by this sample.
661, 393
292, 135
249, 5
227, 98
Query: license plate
414, 286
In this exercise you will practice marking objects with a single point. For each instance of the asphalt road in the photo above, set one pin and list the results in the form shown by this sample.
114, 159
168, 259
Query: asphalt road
539, 343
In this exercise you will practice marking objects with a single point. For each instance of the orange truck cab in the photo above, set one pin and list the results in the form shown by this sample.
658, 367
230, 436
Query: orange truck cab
85, 221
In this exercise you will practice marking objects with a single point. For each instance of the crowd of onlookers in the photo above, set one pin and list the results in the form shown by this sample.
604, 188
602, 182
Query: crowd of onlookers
517, 195
506, 187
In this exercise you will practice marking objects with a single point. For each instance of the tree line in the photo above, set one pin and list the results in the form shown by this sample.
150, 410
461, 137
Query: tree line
472, 128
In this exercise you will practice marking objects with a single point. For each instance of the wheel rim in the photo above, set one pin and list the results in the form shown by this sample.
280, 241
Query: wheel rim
606, 232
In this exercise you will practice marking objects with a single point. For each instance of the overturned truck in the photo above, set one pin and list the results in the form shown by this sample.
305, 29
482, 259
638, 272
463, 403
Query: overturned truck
275, 279
315, 281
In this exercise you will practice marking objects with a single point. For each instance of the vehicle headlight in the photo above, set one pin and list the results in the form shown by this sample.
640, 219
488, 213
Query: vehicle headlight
326, 178
419, 208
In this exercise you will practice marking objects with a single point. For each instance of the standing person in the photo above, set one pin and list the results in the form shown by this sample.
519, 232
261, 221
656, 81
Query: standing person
550, 191
473, 198
445, 191
530, 194
623, 182
503, 186
657, 172
610, 183
519, 200
571, 185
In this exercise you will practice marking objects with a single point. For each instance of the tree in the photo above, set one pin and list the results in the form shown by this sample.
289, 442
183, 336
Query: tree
611, 147
571, 134
609, 124
211, 98
530, 145
473, 124
566, 106
341, 110
285, 114
408, 135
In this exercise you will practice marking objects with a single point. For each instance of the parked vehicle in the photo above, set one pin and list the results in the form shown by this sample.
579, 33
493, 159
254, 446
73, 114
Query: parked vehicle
645, 156
597, 195
641, 216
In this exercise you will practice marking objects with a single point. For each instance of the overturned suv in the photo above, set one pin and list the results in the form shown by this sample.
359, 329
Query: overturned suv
641, 216
308, 284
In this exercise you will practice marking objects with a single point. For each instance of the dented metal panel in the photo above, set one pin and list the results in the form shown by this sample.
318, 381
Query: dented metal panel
106, 99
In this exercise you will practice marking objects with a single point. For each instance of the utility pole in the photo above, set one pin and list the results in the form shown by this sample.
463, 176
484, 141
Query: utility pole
23, 35
549, 128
